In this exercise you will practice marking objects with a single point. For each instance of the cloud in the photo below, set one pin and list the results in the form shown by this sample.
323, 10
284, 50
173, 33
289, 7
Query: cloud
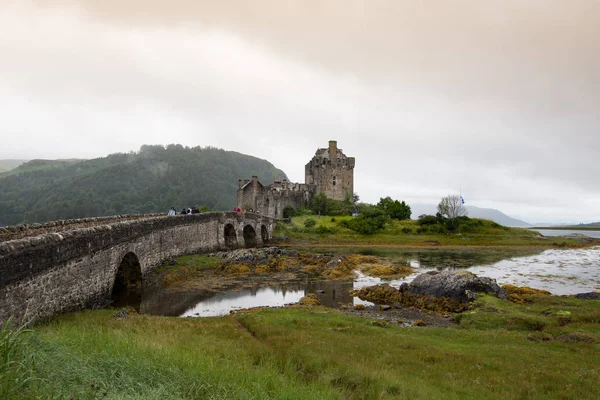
496, 100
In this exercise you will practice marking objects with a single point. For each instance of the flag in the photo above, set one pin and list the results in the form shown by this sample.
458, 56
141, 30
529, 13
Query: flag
462, 200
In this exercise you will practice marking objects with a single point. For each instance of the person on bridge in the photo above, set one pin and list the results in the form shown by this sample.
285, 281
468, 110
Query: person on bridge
172, 212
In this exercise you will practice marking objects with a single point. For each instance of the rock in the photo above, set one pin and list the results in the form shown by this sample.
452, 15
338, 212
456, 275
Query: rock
588, 296
320, 291
457, 285
252, 255
386, 308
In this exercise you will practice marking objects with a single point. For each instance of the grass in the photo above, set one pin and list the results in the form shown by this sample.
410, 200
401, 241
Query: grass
185, 267
479, 233
194, 262
16, 366
317, 353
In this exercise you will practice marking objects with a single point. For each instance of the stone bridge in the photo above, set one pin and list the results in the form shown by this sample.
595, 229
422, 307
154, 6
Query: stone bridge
61, 266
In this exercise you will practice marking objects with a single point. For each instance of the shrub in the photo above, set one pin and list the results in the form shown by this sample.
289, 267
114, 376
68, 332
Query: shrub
324, 230
332, 219
422, 229
406, 230
309, 223
425, 219
367, 224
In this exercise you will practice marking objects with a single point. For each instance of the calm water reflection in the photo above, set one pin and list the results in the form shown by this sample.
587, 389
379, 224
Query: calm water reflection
559, 271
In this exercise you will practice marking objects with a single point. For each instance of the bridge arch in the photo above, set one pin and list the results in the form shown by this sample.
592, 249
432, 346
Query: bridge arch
264, 234
230, 236
127, 286
249, 236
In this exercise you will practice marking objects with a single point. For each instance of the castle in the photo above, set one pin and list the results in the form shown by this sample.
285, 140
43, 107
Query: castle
329, 172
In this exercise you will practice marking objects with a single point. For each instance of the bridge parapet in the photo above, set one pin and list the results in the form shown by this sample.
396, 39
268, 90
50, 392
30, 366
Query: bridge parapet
14, 232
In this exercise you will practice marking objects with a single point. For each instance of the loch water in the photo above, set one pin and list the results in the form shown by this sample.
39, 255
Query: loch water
560, 271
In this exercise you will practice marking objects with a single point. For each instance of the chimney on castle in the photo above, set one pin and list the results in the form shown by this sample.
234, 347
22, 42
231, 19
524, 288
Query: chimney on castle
239, 183
332, 150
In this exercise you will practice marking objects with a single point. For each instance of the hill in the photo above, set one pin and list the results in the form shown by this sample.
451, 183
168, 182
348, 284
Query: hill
7, 165
38, 165
474, 212
590, 225
151, 180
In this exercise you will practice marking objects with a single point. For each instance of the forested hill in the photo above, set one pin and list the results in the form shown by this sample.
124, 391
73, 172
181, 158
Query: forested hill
151, 180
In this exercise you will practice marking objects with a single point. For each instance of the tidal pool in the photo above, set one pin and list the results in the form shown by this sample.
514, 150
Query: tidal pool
559, 271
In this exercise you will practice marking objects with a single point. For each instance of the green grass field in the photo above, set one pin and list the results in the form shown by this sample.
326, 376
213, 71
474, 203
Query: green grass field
545, 349
327, 231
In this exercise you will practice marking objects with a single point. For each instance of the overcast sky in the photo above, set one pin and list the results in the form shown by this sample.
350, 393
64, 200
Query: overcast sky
497, 99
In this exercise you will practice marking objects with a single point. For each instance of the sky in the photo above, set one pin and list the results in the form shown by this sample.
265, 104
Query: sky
496, 100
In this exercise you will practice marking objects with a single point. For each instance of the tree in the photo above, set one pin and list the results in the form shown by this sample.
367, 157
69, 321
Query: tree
451, 208
394, 209
371, 220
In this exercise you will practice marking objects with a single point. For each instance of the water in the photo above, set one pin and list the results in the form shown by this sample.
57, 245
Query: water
559, 271
567, 232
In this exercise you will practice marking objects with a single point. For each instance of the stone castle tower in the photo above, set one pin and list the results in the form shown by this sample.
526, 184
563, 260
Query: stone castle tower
329, 172
332, 172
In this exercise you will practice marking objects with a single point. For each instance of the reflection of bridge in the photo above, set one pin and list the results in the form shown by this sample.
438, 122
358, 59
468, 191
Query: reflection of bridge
68, 265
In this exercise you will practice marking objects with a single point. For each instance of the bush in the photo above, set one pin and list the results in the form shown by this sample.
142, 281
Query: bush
370, 221
324, 230
332, 219
322, 205
406, 230
425, 219
309, 223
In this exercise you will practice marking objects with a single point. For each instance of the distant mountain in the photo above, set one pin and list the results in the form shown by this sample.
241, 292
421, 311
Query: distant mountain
473, 212
496, 216
7, 165
151, 180
591, 225
38, 165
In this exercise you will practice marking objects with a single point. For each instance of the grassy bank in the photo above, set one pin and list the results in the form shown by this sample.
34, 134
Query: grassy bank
547, 348
328, 231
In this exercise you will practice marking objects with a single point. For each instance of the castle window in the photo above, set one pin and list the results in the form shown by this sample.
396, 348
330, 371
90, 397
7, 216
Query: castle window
334, 181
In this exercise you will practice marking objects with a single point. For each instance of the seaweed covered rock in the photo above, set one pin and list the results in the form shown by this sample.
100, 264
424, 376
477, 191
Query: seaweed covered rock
310, 299
521, 294
386, 294
456, 285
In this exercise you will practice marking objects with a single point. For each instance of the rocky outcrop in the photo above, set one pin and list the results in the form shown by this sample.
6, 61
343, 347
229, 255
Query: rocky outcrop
456, 285
588, 296
260, 255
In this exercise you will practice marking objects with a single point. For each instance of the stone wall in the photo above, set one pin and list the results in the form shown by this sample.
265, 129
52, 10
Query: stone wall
57, 272
27, 230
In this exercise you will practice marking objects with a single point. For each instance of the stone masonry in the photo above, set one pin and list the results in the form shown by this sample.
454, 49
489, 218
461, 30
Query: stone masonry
68, 270
329, 172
